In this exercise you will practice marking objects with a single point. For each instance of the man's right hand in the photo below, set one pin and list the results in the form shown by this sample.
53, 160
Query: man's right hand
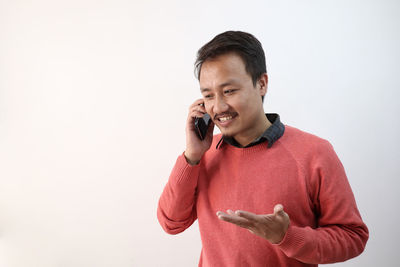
195, 148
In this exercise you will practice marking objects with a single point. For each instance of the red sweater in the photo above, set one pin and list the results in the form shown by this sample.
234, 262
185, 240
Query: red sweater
300, 171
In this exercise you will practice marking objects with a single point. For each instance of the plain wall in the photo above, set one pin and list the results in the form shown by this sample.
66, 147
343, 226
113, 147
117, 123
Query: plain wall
94, 98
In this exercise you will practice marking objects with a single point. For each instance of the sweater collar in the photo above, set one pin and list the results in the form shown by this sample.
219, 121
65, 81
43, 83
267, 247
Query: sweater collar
271, 134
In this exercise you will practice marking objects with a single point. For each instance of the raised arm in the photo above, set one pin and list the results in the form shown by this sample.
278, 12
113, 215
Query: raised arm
177, 205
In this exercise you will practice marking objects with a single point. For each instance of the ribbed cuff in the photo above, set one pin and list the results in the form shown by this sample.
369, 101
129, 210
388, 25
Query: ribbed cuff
294, 241
184, 173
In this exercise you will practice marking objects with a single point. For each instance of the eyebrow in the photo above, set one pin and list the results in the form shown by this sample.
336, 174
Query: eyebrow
222, 85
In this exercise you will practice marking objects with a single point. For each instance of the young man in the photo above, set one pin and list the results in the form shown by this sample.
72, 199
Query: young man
264, 193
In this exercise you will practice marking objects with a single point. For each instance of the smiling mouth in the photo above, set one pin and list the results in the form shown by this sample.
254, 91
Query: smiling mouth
226, 118
222, 119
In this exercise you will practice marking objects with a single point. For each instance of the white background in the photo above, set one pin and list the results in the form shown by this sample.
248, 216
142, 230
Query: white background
93, 102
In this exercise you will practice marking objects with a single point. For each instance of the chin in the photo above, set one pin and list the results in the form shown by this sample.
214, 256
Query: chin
227, 133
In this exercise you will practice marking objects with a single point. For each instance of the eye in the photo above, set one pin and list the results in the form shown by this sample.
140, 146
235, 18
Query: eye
208, 96
229, 91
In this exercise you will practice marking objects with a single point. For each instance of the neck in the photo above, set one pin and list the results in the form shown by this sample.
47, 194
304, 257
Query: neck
261, 126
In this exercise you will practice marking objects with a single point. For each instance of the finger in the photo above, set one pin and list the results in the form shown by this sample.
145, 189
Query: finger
197, 103
196, 114
200, 109
242, 222
248, 215
191, 118
230, 212
278, 210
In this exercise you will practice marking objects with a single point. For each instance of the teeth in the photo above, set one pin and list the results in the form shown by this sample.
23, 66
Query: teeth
225, 118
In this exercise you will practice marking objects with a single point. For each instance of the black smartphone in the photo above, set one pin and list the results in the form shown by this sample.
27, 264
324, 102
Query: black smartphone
201, 125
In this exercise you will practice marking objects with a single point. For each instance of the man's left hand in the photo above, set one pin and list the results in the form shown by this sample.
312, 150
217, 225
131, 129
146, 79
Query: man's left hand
272, 227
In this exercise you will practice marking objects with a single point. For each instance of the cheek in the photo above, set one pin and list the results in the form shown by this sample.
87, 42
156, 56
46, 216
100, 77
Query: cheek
207, 106
240, 104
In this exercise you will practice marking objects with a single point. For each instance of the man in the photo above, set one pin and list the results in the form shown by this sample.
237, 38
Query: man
264, 193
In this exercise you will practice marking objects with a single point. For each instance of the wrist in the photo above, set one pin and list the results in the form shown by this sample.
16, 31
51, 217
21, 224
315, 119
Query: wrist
190, 159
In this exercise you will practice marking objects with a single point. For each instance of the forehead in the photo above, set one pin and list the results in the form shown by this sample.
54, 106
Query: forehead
219, 70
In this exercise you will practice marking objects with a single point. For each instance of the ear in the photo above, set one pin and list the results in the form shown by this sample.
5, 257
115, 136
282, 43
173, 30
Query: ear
263, 84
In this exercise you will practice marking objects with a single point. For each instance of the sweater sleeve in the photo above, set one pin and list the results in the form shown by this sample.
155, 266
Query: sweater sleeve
340, 233
176, 207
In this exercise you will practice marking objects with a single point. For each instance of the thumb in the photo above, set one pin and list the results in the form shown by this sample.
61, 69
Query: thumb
278, 210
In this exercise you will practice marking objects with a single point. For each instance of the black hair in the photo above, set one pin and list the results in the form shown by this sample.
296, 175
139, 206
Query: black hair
243, 44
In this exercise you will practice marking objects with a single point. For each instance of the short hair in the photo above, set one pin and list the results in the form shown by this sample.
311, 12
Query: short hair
243, 44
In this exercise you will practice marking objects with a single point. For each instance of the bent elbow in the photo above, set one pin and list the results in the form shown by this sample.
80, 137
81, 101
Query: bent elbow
364, 236
172, 230
173, 227
360, 237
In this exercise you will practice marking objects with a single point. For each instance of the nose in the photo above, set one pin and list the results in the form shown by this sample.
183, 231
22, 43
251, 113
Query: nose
220, 106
